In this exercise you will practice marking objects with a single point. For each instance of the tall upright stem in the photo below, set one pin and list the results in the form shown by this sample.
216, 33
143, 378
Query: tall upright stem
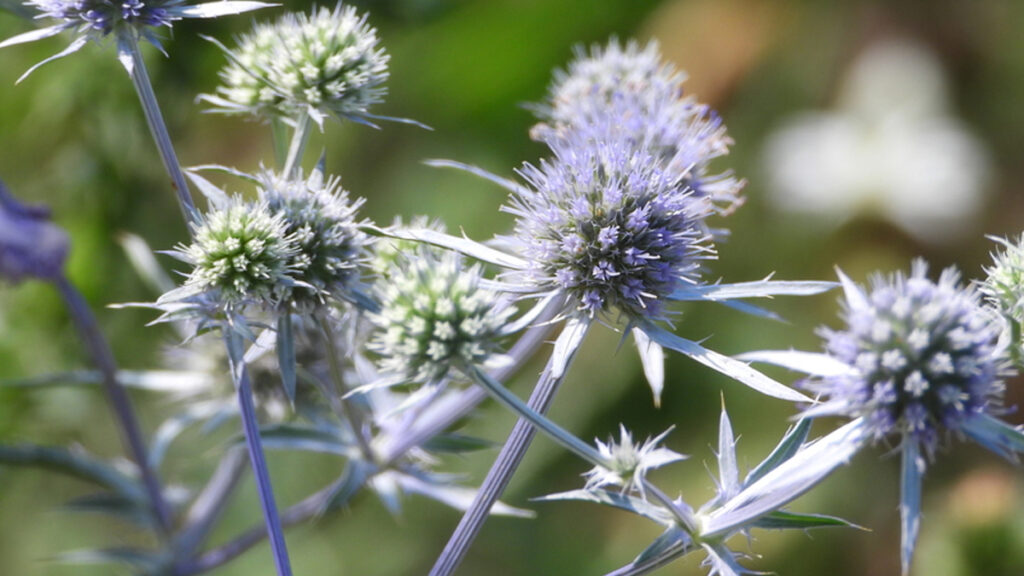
155, 119
86, 324
297, 148
240, 376
500, 474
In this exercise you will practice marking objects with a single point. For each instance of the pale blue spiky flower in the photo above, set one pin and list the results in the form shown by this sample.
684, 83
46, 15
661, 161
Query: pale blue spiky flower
436, 319
326, 63
321, 219
126, 20
241, 253
643, 97
629, 462
924, 357
605, 224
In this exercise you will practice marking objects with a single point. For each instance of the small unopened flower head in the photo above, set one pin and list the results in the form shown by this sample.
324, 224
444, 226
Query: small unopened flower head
629, 462
924, 356
31, 246
325, 63
435, 318
1004, 286
634, 92
243, 253
606, 224
321, 219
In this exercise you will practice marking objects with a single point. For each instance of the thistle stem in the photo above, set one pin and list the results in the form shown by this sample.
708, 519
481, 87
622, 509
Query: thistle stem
240, 376
87, 327
297, 148
157, 127
508, 461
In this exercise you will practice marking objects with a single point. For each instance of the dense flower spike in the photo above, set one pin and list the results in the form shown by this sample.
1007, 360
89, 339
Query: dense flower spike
435, 318
634, 92
325, 63
925, 356
134, 19
320, 217
630, 462
606, 224
241, 252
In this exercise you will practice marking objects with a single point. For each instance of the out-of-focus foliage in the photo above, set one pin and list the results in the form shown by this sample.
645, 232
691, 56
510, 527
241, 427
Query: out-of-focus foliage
72, 136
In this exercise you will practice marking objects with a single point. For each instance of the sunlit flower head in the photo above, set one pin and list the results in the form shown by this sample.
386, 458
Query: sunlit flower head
629, 462
321, 218
924, 356
605, 223
324, 63
436, 318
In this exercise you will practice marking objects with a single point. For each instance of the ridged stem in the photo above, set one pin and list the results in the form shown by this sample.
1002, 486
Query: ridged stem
297, 148
157, 127
240, 376
501, 472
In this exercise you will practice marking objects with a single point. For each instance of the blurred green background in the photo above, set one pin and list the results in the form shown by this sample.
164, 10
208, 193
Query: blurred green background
72, 137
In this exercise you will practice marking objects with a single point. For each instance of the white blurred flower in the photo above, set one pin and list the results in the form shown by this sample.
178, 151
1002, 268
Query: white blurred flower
890, 148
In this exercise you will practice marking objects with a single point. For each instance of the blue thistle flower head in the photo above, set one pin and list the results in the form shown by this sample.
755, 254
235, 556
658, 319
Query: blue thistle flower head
925, 356
605, 223
632, 91
128, 20
101, 17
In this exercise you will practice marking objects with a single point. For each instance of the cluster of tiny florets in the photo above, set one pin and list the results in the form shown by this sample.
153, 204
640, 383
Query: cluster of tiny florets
321, 220
243, 252
634, 92
924, 356
435, 317
324, 63
101, 17
606, 224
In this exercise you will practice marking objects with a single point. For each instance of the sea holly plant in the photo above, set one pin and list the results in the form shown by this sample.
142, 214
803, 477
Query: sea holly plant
315, 330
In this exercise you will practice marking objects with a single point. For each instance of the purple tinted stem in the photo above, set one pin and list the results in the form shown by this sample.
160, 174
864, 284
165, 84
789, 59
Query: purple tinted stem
85, 322
252, 441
